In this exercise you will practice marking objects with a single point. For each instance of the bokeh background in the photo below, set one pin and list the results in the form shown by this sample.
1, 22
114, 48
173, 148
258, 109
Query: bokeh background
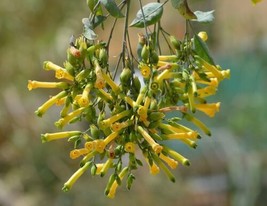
230, 168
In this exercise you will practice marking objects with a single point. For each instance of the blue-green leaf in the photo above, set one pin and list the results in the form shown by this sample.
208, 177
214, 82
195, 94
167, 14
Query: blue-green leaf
88, 33
112, 8
94, 21
151, 14
204, 17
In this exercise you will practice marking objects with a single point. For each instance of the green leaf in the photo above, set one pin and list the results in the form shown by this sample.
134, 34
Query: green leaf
202, 50
112, 8
204, 17
183, 8
152, 14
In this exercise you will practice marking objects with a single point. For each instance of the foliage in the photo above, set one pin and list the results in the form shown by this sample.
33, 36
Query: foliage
129, 118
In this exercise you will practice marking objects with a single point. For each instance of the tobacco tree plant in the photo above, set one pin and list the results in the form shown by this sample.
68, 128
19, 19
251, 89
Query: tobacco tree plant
126, 106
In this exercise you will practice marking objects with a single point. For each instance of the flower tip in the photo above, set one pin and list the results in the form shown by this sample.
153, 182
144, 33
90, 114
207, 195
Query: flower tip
172, 179
66, 188
186, 162
111, 196
106, 192
194, 145
30, 85
38, 113
157, 148
43, 138
58, 124
45, 65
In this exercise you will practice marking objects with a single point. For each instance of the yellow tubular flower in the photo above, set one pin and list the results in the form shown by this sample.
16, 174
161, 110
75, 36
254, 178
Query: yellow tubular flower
142, 111
175, 128
164, 168
206, 91
88, 156
177, 156
100, 82
209, 109
210, 68
110, 137
99, 145
42, 109
129, 147
198, 123
162, 63
47, 137
106, 166
61, 101
154, 169
189, 142
170, 162
84, 100
90, 146
147, 102
183, 135
63, 121
213, 82
48, 65
50, 85
68, 185
155, 146
105, 94
107, 122
163, 75
117, 126
169, 58
226, 73
191, 99
99, 167
115, 88
114, 185
145, 70
63, 74
140, 96
78, 152
128, 100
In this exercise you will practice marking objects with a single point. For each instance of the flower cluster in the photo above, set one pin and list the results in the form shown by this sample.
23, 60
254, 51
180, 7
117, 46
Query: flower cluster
131, 118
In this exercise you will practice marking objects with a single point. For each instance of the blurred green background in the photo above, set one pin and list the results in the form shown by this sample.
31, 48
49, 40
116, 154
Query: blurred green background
230, 168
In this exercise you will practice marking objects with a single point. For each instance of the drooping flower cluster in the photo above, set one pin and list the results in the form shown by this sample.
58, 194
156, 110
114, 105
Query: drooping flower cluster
128, 118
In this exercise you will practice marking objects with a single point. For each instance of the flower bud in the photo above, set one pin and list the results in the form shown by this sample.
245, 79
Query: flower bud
175, 42
203, 35
125, 76
145, 53
155, 116
136, 84
154, 58
103, 56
